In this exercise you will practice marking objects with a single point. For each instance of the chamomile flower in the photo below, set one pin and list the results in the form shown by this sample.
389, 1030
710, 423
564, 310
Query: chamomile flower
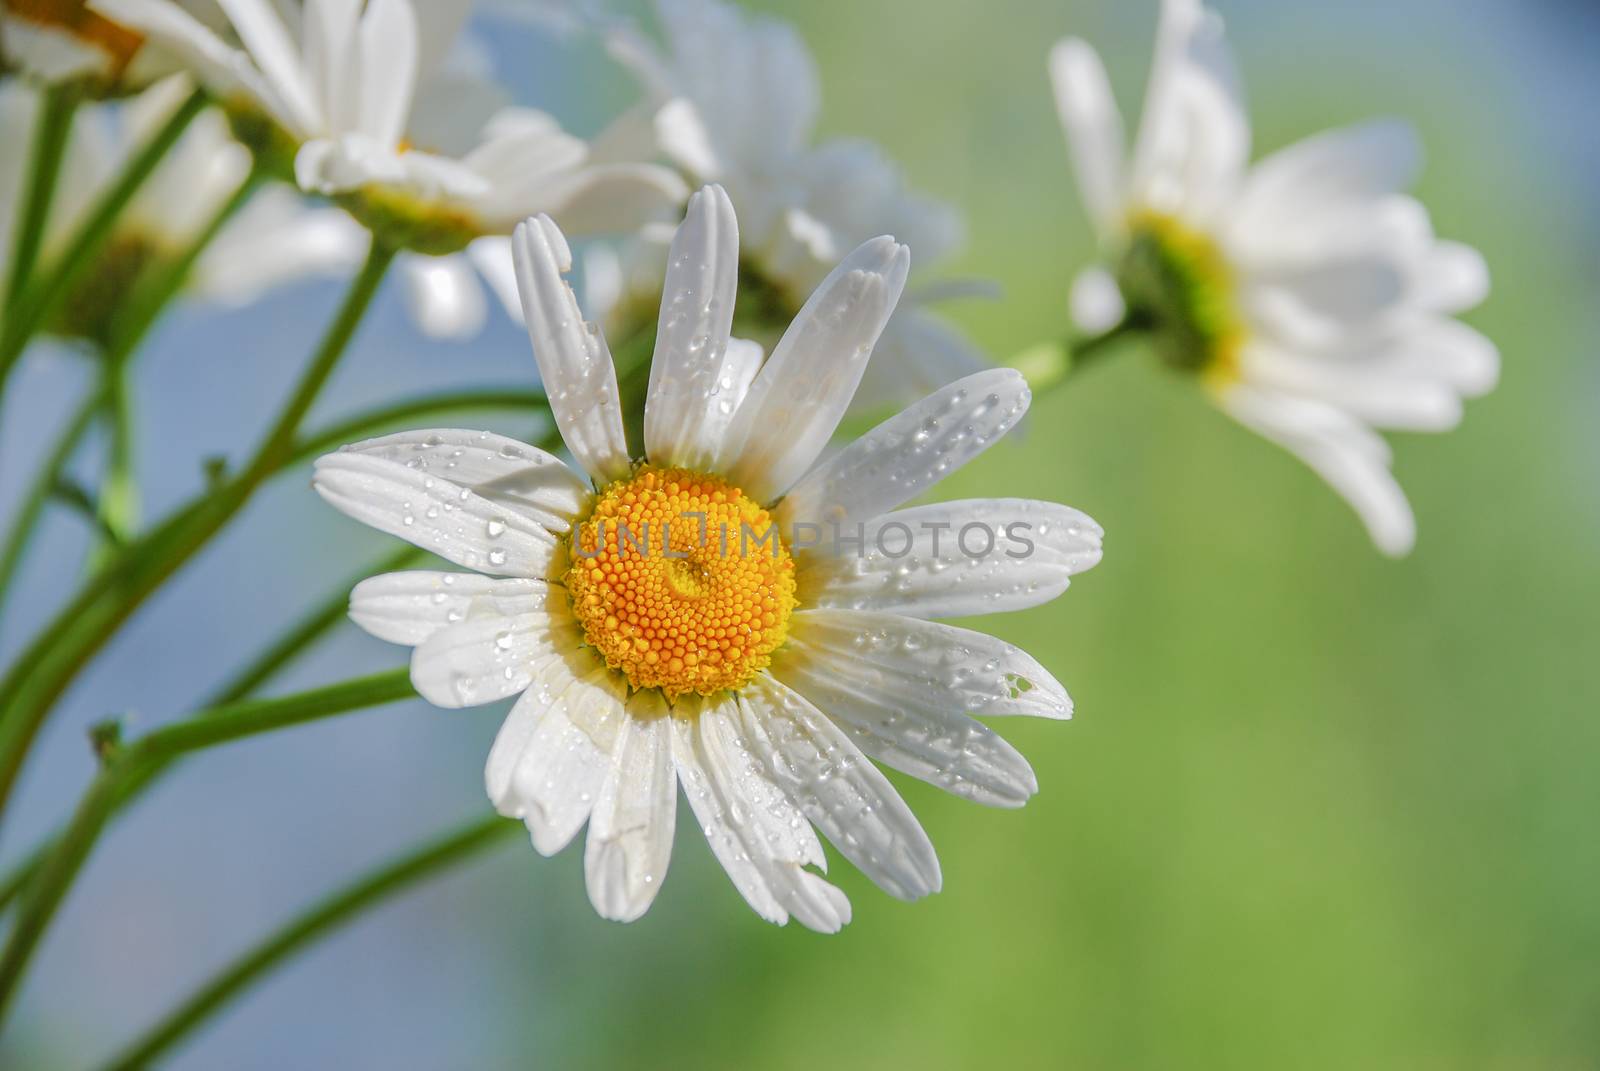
1307, 292
374, 106
276, 238
733, 98
727, 652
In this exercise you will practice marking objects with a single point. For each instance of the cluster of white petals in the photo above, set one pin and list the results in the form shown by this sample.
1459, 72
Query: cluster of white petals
389, 102
1343, 295
733, 99
864, 673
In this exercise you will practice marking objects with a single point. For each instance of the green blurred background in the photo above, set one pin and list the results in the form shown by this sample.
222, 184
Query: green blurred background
1317, 809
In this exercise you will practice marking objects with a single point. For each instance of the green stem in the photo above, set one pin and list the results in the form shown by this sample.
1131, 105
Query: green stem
117, 504
40, 300
20, 874
126, 765
308, 629
1050, 364
368, 891
38, 493
45, 669
51, 133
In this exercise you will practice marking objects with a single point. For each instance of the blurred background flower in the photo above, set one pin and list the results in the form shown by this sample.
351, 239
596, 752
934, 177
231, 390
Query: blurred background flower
1316, 808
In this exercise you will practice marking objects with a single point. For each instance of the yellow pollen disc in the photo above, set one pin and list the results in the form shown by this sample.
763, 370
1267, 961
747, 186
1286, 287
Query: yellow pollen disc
681, 582
1179, 277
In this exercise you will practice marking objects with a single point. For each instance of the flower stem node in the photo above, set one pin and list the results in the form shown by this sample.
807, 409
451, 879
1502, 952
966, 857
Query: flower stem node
1175, 278
681, 582
105, 737
272, 148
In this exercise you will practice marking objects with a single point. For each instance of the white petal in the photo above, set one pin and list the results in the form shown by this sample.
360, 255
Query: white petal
929, 741
1452, 278
575, 365
1352, 274
805, 386
1093, 126
1451, 352
1382, 393
1194, 138
536, 484
932, 667
1324, 173
851, 802
409, 607
522, 151
749, 79
544, 767
952, 559
491, 255
264, 35
757, 834
682, 424
908, 453
1095, 301
273, 240
222, 68
439, 30
332, 61
613, 198
630, 831
444, 294
436, 515
1345, 453
486, 658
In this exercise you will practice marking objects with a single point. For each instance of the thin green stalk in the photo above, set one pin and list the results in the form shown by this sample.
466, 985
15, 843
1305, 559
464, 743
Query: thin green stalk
52, 130
117, 504
322, 617
38, 492
1050, 364
321, 918
42, 297
45, 669
20, 874
124, 764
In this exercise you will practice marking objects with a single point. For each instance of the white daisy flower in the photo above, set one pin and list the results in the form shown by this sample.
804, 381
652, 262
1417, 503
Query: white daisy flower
734, 99
53, 41
379, 109
276, 238
763, 677
1309, 294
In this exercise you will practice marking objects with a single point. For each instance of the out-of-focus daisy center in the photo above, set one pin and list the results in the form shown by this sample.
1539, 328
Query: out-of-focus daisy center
681, 582
1177, 277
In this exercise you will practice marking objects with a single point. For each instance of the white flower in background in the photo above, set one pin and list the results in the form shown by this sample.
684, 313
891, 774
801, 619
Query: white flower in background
381, 110
62, 40
761, 679
276, 237
734, 100
1308, 293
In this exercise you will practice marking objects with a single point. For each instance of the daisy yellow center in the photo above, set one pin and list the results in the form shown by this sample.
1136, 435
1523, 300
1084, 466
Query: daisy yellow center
1177, 277
681, 582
